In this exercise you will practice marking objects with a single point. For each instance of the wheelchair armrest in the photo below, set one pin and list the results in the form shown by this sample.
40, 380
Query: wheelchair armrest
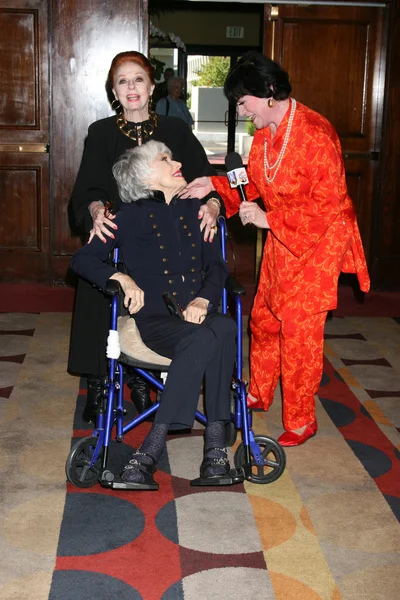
112, 287
234, 287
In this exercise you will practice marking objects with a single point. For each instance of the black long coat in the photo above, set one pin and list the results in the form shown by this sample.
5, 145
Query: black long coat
104, 145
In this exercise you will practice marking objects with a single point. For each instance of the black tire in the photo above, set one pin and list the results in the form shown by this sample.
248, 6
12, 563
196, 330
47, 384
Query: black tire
274, 460
77, 465
230, 434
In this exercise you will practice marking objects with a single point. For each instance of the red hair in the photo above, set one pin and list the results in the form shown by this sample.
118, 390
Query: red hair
130, 56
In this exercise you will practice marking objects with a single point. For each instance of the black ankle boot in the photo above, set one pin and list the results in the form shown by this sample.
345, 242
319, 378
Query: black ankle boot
93, 399
140, 392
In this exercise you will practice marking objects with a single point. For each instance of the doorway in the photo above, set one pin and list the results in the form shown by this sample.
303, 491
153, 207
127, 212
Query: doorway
207, 59
216, 124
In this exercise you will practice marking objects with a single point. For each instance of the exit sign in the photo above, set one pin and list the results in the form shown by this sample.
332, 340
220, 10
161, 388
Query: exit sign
235, 32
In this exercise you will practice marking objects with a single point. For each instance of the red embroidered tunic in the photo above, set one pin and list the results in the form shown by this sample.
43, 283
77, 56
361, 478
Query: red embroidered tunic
313, 228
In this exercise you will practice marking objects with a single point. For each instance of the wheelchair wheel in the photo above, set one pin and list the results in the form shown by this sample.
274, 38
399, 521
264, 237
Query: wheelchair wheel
230, 434
77, 468
274, 458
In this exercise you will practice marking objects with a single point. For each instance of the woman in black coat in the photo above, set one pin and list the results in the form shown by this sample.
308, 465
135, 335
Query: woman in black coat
131, 80
164, 251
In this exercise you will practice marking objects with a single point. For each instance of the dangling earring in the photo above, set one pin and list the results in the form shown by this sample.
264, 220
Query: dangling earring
271, 102
151, 108
117, 106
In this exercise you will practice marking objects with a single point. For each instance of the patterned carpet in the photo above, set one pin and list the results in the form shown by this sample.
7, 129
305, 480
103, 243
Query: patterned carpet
328, 529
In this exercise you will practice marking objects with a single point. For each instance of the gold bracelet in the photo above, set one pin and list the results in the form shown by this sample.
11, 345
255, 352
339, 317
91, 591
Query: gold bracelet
216, 203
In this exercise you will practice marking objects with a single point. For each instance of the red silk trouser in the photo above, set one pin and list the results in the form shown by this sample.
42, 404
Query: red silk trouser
292, 348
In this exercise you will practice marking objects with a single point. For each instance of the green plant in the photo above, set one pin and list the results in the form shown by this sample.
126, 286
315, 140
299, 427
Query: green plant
214, 72
250, 127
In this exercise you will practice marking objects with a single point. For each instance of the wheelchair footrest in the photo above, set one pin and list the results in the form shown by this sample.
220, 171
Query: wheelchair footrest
134, 487
110, 481
232, 478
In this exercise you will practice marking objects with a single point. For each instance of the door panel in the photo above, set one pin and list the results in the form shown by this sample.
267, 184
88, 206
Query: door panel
35, 239
24, 226
360, 177
86, 37
333, 57
18, 41
24, 135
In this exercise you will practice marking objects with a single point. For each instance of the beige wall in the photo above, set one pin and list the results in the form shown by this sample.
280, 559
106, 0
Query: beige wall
198, 27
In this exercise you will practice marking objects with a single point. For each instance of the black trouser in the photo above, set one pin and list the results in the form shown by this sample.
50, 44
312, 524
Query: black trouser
206, 350
89, 332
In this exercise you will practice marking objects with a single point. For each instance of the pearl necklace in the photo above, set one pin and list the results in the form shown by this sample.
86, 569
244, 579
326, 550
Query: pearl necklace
277, 164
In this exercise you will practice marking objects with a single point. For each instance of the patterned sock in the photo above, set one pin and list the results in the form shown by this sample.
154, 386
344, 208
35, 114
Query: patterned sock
214, 447
152, 448
155, 440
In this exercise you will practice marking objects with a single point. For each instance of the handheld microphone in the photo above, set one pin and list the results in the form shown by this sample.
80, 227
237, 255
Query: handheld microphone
236, 173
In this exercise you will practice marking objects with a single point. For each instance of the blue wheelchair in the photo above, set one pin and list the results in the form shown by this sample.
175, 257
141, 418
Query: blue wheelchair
259, 458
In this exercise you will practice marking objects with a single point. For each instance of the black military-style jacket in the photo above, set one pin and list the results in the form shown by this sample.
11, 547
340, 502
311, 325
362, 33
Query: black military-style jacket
163, 251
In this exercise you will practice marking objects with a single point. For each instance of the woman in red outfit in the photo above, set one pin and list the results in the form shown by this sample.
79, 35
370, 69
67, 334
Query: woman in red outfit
296, 167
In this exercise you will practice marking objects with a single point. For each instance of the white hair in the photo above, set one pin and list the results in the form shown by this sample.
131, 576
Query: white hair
174, 79
133, 171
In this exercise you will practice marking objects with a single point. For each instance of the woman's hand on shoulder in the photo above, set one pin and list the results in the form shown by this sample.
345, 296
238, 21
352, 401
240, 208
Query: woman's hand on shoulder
134, 296
198, 188
209, 214
101, 221
196, 310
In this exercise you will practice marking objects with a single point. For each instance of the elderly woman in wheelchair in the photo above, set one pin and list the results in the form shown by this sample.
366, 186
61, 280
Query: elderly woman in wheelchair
164, 252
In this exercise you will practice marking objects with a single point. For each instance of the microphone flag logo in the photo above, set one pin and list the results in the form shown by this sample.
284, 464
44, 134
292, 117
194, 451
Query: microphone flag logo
237, 177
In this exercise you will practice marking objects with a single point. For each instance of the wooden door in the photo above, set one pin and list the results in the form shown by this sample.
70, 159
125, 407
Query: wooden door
24, 137
335, 61
35, 238
85, 38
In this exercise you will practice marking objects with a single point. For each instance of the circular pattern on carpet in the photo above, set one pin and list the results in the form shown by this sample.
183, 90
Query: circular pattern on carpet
340, 326
18, 321
86, 584
4, 457
325, 379
34, 463
340, 414
275, 523
9, 373
331, 511
329, 460
225, 584
289, 588
52, 414
90, 524
354, 349
10, 410
28, 587
181, 452
209, 521
15, 345
305, 519
390, 408
380, 583
375, 378
375, 461
32, 527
